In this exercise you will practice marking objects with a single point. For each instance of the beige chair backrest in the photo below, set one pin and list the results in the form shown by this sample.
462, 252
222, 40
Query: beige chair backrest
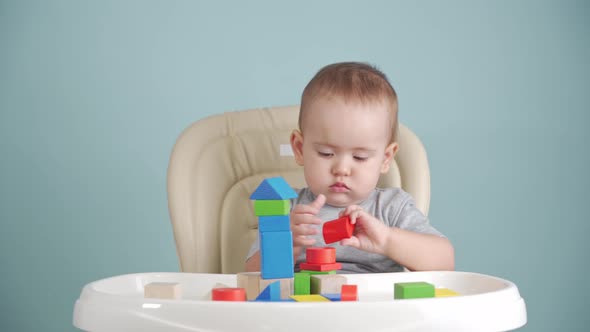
219, 161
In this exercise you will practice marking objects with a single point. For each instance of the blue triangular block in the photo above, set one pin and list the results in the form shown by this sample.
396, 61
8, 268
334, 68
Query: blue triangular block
271, 293
333, 297
273, 188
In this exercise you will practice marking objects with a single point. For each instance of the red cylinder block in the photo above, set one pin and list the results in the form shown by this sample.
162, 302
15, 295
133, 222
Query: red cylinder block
228, 294
338, 229
320, 255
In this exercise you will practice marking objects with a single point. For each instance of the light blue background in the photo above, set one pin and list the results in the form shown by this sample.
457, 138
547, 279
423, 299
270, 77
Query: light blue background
94, 94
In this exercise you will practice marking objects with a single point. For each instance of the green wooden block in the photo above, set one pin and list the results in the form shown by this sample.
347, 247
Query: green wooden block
413, 290
272, 207
302, 283
319, 272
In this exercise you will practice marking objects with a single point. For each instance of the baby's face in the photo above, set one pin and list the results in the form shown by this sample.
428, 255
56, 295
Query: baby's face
343, 148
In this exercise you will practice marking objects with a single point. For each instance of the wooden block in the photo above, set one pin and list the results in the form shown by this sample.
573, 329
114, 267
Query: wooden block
254, 284
251, 282
337, 229
320, 267
327, 284
333, 297
302, 283
349, 293
209, 295
320, 255
272, 292
273, 188
285, 284
276, 254
272, 207
445, 292
309, 298
233, 294
274, 223
318, 272
413, 290
162, 290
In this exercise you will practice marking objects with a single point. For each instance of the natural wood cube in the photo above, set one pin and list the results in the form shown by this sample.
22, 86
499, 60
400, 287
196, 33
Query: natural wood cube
162, 290
327, 283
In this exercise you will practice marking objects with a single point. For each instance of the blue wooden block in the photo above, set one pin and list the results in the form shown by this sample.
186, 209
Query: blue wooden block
333, 297
273, 223
271, 293
273, 189
276, 254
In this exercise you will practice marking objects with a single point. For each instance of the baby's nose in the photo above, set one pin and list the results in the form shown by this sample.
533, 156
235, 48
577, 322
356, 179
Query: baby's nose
341, 168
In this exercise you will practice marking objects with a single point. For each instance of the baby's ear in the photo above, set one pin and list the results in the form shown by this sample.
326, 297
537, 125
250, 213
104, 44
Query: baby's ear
297, 146
390, 152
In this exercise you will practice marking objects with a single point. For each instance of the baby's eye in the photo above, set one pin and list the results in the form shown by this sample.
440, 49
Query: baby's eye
360, 158
325, 154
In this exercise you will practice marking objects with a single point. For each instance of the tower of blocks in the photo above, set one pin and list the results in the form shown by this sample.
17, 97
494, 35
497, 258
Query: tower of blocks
318, 282
272, 206
318, 277
277, 281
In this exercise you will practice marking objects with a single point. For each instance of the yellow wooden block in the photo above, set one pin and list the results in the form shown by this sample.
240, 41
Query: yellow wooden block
309, 298
445, 292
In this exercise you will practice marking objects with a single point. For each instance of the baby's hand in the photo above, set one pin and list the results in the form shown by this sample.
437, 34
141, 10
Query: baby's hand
369, 234
303, 219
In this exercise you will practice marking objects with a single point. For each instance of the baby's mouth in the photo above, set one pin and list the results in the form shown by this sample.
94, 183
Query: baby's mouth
339, 187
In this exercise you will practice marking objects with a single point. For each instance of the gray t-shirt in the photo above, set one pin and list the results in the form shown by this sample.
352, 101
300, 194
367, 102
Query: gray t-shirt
392, 206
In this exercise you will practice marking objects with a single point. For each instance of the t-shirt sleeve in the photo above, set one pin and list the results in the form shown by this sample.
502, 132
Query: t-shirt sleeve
253, 248
410, 218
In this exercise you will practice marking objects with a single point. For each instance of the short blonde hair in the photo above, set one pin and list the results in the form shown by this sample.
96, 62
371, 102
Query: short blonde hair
353, 81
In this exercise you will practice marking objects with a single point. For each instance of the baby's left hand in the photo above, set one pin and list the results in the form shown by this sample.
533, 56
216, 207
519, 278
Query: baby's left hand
370, 234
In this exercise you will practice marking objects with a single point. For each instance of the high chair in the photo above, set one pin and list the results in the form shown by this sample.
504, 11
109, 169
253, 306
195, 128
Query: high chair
216, 164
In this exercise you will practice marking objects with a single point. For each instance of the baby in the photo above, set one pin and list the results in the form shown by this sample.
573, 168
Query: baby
347, 137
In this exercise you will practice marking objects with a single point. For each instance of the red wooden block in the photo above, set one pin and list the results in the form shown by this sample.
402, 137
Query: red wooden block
337, 229
320, 255
228, 294
320, 267
348, 293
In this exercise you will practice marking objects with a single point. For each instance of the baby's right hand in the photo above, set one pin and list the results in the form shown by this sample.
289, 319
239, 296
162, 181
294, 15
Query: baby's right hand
303, 219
